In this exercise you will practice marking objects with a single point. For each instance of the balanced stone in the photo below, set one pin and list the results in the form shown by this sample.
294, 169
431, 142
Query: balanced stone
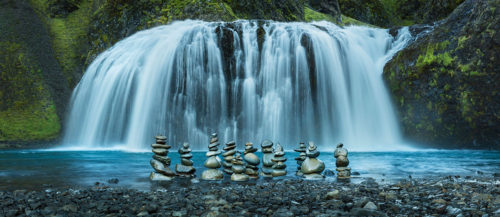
300, 159
213, 161
312, 167
161, 161
342, 162
267, 156
279, 168
228, 157
186, 168
238, 169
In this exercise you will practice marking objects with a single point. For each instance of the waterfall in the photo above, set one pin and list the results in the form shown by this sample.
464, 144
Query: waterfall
245, 80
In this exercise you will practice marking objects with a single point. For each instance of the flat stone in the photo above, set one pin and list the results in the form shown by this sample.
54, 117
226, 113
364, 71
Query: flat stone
161, 146
229, 153
212, 162
313, 154
184, 150
312, 165
238, 169
279, 153
160, 168
251, 158
300, 149
228, 148
229, 158
215, 144
251, 172
344, 174
252, 166
186, 162
276, 173
164, 160
300, 158
266, 144
278, 159
239, 177
184, 169
213, 135
213, 149
333, 194
214, 140
266, 170
279, 165
160, 177
267, 160
160, 137
212, 174
160, 151
313, 176
228, 171
237, 162
226, 164
231, 143
212, 153
187, 156
267, 150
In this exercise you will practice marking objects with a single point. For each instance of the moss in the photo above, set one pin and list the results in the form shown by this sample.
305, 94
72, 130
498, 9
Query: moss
312, 15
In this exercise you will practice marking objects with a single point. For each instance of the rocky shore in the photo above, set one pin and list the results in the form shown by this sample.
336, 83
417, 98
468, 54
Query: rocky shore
445, 196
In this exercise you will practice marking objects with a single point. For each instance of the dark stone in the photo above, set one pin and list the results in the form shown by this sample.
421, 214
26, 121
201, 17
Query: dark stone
113, 181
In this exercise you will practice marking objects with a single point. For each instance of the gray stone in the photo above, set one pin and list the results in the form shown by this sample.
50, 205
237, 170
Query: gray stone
213, 145
160, 177
332, 194
266, 170
226, 164
214, 140
185, 145
213, 149
252, 166
238, 168
371, 206
160, 146
212, 162
228, 171
160, 137
278, 159
251, 158
212, 153
229, 153
313, 154
164, 160
267, 150
160, 151
187, 156
312, 165
313, 176
212, 174
279, 165
277, 172
239, 177
160, 168
266, 144
182, 169
184, 150
251, 172
267, 160
229, 158
186, 162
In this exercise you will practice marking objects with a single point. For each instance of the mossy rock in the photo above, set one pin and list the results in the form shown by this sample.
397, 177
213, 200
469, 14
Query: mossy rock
445, 84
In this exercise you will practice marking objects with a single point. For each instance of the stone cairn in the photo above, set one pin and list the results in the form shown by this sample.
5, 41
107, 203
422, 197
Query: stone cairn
312, 167
267, 156
213, 161
300, 158
279, 167
252, 161
238, 168
161, 161
186, 168
342, 162
228, 155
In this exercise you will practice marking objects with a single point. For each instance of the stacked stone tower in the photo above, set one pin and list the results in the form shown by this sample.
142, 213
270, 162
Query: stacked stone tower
228, 155
312, 167
300, 159
238, 168
267, 156
252, 161
161, 161
186, 168
279, 167
213, 161
342, 162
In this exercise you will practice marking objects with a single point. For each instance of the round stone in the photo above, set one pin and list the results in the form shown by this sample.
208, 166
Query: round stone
212, 162
164, 160
228, 158
186, 162
160, 151
342, 161
160, 168
161, 146
238, 169
212, 174
313, 154
266, 144
312, 165
239, 177
267, 160
252, 159
185, 145
276, 173
212, 153
340, 152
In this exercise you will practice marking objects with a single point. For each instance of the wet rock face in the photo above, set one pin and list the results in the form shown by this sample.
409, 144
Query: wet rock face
444, 84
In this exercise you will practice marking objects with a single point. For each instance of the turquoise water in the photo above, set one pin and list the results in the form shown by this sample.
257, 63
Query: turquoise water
36, 169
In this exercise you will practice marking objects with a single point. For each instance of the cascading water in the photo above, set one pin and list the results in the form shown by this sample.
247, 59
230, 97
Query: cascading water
246, 80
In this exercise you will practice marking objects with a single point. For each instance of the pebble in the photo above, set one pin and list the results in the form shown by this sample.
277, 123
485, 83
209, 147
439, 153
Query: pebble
370, 205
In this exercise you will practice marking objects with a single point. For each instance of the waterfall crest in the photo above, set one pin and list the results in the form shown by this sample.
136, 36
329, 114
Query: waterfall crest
246, 80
